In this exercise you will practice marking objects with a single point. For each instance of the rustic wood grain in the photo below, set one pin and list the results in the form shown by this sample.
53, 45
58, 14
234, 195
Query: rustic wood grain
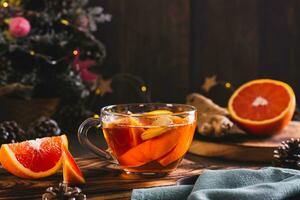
150, 39
103, 182
244, 147
242, 40
174, 44
274, 27
225, 42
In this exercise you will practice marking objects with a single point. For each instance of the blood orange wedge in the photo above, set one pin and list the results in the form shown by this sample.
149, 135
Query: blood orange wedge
262, 106
33, 158
71, 172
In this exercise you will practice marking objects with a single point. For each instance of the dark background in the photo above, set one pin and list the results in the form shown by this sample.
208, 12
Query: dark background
174, 44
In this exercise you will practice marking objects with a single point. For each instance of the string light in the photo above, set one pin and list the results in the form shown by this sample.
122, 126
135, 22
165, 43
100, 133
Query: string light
5, 4
136, 83
96, 116
75, 52
228, 85
53, 62
50, 59
31, 52
97, 91
144, 88
65, 22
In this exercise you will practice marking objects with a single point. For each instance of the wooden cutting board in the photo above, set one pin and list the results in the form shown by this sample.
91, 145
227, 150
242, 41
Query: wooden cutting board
244, 147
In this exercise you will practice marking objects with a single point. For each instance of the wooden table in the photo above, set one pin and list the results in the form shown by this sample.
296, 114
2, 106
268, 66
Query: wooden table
103, 182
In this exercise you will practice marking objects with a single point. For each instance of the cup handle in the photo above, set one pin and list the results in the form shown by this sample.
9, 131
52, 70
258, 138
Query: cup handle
83, 138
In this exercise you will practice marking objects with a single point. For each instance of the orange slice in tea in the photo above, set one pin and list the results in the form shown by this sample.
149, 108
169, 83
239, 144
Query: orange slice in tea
163, 123
123, 134
154, 132
158, 112
33, 158
150, 150
135, 132
184, 142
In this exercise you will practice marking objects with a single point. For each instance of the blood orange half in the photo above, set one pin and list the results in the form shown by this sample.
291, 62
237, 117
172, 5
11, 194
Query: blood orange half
262, 106
33, 158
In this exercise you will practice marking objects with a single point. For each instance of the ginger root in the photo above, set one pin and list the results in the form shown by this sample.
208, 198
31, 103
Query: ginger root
212, 119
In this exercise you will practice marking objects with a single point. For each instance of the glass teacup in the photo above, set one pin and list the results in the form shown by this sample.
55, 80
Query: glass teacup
144, 138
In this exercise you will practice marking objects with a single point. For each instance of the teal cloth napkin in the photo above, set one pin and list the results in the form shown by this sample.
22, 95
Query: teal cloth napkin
239, 184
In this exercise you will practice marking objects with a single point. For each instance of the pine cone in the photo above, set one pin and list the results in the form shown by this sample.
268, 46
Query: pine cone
288, 154
63, 192
44, 127
10, 132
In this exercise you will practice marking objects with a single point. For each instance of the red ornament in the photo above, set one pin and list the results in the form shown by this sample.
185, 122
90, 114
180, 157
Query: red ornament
19, 27
82, 66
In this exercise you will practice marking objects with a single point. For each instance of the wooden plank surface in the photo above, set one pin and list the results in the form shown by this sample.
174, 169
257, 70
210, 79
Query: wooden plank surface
244, 147
104, 182
225, 42
179, 43
150, 39
242, 40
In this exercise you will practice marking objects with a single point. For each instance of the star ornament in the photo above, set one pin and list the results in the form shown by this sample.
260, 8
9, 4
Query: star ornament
209, 83
104, 86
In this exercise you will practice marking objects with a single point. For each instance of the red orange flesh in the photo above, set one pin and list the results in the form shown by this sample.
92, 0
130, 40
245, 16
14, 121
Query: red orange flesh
262, 106
33, 158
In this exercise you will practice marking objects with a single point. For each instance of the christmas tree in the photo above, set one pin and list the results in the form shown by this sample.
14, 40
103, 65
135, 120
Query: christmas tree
49, 46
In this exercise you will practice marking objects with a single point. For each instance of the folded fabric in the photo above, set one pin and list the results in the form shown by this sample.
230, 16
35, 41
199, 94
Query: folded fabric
171, 192
239, 184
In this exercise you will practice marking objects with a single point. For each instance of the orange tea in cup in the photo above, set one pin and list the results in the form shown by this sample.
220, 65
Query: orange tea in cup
149, 138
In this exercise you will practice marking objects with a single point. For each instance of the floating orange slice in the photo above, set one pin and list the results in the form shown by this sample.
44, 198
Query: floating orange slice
184, 142
150, 150
33, 158
262, 106
135, 131
71, 172
128, 135
158, 112
154, 132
